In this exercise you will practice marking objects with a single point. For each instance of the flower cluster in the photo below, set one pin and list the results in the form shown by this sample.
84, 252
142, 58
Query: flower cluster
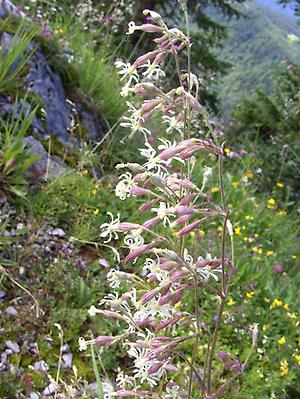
149, 302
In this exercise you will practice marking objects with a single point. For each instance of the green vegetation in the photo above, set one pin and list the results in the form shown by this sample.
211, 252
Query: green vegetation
65, 273
256, 46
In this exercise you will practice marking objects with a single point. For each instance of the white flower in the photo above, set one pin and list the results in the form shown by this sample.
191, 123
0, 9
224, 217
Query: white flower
123, 380
229, 227
127, 71
153, 309
109, 230
135, 121
172, 391
173, 123
152, 268
142, 365
92, 311
124, 186
131, 28
207, 272
134, 240
113, 278
153, 71
188, 258
164, 211
206, 176
153, 163
82, 344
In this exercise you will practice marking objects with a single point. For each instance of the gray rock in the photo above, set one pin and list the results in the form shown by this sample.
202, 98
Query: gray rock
93, 126
58, 232
44, 168
41, 366
47, 84
50, 389
65, 348
7, 7
3, 357
13, 346
11, 311
20, 226
67, 360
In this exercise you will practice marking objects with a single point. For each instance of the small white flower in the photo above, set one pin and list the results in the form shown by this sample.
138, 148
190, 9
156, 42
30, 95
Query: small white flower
109, 230
163, 212
134, 240
113, 278
153, 71
229, 227
173, 123
92, 311
82, 344
124, 186
206, 176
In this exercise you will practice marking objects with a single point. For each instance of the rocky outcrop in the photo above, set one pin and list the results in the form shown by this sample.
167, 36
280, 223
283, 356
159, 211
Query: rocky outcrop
59, 117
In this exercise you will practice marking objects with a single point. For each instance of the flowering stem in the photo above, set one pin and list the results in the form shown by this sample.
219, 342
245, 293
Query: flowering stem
192, 368
213, 344
200, 380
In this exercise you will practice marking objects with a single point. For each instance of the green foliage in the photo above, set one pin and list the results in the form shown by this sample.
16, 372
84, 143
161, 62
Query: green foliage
272, 123
15, 159
255, 47
14, 59
94, 66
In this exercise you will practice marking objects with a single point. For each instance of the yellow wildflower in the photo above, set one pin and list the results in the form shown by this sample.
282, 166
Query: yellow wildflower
94, 191
277, 303
279, 185
297, 357
260, 251
85, 172
237, 230
250, 239
250, 175
282, 213
270, 253
231, 302
254, 249
248, 217
235, 184
96, 212
271, 203
214, 189
265, 327
192, 234
284, 368
281, 341
227, 150
202, 233
292, 315
250, 294
286, 306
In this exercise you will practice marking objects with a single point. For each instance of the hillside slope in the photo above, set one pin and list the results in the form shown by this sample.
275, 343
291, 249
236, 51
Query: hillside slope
257, 45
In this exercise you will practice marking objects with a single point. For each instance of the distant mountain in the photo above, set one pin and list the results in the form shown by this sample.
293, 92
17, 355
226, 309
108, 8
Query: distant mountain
273, 4
257, 45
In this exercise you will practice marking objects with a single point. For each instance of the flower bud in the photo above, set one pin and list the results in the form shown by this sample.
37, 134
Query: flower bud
187, 229
139, 191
